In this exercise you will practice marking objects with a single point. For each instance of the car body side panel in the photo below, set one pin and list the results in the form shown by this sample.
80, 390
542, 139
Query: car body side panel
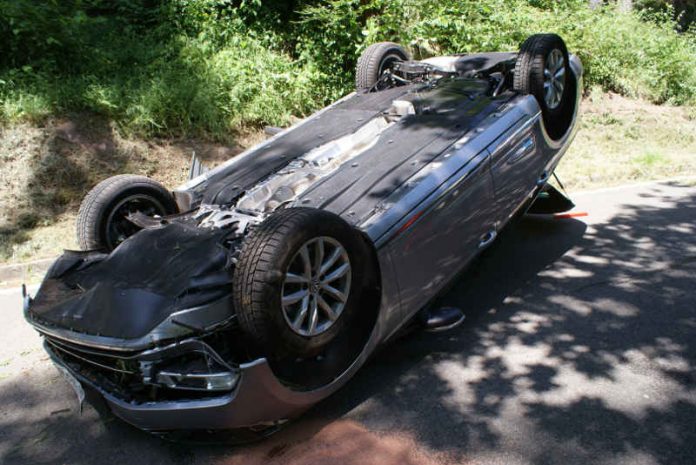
503, 133
517, 162
443, 238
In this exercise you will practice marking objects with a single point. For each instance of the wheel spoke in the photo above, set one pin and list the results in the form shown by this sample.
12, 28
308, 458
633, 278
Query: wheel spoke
293, 278
326, 266
556, 59
295, 297
548, 93
302, 314
327, 308
306, 262
313, 315
559, 74
335, 293
337, 273
318, 256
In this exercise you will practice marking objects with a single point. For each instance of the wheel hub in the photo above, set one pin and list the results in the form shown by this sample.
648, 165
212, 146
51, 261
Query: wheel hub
316, 286
554, 78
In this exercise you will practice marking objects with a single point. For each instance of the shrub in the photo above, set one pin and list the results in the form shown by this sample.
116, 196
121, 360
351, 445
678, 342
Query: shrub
208, 66
620, 51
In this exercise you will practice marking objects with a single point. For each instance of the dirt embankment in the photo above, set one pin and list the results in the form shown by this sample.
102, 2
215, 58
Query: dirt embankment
45, 172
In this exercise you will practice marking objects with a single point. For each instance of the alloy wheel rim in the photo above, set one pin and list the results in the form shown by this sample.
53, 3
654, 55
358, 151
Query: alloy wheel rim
554, 78
316, 286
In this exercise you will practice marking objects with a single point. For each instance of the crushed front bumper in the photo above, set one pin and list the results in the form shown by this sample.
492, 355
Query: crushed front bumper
257, 399
254, 400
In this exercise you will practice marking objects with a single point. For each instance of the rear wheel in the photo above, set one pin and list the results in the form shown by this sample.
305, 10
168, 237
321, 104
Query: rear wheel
543, 70
102, 221
375, 61
298, 282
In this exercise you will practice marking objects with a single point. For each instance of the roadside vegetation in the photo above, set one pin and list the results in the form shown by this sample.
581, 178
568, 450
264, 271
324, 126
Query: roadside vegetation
624, 140
91, 88
209, 67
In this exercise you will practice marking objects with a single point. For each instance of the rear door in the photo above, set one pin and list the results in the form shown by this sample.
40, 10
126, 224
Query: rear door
440, 236
517, 165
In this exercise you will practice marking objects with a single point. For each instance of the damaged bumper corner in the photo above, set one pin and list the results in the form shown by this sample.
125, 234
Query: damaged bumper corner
256, 399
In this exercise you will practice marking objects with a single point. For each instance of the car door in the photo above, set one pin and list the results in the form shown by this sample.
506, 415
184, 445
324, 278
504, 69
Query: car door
517, 165
441, 236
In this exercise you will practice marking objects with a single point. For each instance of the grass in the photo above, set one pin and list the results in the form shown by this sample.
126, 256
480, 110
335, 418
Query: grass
47, 170
206, 67
623, 140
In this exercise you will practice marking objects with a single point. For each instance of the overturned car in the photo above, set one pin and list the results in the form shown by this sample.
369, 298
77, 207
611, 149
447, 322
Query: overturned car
259, 287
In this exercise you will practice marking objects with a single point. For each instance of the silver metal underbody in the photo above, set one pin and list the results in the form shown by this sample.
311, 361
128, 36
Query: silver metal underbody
285, 186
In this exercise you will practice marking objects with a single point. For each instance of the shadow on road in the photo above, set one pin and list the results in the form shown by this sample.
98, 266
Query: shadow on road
578, 348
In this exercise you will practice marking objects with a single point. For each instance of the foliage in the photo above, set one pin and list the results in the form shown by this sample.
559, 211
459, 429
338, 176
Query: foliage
682, 11
162, 67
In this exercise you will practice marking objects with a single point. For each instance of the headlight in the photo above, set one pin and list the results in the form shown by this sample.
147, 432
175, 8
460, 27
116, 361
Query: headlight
219, 381
193, 371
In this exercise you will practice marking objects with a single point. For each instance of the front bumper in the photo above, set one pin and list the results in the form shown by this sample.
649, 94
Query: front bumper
258, 399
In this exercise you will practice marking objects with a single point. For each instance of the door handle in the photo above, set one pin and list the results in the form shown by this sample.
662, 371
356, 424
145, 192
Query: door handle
487, 239
525, 147
543, 178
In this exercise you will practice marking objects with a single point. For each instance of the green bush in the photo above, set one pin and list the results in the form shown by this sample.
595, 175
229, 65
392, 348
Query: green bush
206, 67
620, 51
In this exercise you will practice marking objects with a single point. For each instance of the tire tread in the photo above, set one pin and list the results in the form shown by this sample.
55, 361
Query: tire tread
369, 61
98, 199
255, 280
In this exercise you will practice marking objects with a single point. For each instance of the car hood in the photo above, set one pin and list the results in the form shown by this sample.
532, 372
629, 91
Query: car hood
129, 292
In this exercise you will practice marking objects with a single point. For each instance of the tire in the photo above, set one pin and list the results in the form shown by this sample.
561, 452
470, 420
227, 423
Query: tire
101, 220
374, 60
260, 282
535, 57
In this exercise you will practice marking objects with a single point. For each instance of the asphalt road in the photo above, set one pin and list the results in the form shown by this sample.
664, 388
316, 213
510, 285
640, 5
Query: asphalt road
579, 347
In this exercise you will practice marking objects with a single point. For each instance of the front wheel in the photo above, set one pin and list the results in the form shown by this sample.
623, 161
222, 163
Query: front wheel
102, 221
298, 282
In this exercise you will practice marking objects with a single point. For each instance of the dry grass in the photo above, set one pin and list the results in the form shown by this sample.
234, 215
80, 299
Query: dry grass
45, 171
623, 140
